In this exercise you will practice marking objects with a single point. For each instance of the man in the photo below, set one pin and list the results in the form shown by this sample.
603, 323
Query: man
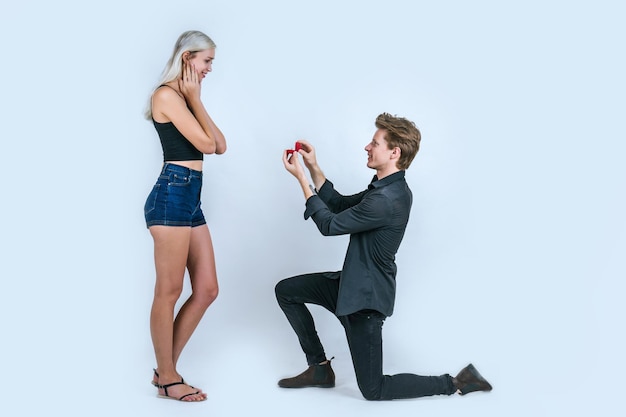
362, 294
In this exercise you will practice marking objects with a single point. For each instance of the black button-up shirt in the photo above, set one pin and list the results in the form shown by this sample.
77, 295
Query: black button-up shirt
376, 219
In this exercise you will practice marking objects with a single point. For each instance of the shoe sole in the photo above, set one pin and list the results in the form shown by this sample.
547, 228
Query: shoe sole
311, 386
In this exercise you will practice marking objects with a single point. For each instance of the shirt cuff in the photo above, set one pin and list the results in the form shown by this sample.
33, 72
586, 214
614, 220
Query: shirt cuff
326, 190
313, 205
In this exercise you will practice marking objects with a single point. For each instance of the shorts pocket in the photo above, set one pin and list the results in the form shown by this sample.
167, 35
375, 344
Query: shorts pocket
176, 179
151, 200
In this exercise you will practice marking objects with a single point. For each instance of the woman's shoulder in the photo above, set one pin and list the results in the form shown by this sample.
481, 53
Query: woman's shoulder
166, 92
165, 100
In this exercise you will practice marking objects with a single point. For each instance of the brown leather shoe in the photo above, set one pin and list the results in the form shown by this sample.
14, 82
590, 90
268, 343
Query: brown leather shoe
470, 380
321, 376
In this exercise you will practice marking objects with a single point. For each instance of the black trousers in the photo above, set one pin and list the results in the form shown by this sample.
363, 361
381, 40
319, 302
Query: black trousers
364, 333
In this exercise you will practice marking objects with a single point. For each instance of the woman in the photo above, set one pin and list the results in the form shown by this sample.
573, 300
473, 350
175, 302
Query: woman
173, 214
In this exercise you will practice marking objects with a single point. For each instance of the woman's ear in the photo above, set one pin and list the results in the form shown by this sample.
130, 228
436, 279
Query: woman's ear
186, 56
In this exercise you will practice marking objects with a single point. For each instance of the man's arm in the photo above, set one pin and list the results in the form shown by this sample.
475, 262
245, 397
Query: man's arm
292, 165
368, 213
372, 212
317, 176
335, 201
310, 161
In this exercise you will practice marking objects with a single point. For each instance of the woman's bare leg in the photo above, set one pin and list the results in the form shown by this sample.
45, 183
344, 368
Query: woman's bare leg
171, 250
201, 266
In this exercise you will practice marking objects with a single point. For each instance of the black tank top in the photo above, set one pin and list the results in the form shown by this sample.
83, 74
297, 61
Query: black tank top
175, 146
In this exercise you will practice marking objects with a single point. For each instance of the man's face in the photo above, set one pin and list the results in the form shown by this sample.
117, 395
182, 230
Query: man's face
378, 152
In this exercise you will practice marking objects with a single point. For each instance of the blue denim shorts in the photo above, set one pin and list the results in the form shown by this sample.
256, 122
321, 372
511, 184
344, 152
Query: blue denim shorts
175, 198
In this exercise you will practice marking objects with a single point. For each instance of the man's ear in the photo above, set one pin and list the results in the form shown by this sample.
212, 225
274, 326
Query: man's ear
396, 152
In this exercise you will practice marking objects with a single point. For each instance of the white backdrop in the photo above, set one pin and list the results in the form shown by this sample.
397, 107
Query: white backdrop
513, 258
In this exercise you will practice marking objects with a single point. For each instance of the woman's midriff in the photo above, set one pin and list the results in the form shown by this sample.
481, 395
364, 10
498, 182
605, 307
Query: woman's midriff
195, 165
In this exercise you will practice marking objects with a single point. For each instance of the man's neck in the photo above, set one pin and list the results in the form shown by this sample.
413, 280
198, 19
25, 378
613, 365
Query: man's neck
382, 173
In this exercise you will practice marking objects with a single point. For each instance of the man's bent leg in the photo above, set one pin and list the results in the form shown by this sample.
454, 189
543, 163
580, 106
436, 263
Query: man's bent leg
364, 333
292, 294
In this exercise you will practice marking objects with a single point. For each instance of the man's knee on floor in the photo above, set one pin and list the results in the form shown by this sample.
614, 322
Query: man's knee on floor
371, 392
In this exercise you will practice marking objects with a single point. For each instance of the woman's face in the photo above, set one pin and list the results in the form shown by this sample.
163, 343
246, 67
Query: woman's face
202, 61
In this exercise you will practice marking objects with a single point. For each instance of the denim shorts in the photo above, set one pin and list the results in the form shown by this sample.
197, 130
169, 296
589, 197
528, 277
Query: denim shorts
175, 198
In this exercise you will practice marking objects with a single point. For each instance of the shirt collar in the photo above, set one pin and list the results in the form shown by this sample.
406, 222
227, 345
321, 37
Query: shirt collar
376, 183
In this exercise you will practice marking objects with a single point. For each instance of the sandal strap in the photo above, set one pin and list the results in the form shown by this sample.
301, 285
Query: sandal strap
186, 395
166, 386
156, 374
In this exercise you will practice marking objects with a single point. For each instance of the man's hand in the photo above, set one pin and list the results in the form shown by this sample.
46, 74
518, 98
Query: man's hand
308, 154
310, 161
292, 165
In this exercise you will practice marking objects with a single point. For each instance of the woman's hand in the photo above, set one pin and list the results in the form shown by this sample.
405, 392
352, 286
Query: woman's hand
189, 82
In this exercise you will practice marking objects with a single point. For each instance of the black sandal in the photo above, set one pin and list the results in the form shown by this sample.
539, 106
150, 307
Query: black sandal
156, 374
156, 384
167, 396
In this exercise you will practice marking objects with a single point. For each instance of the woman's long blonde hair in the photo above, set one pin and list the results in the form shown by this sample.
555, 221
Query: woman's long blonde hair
192, 41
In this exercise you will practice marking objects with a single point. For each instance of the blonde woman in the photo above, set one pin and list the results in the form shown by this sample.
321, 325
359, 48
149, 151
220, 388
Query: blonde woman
182, 240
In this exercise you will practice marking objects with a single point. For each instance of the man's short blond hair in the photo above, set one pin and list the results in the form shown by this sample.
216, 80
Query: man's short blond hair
401, 133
